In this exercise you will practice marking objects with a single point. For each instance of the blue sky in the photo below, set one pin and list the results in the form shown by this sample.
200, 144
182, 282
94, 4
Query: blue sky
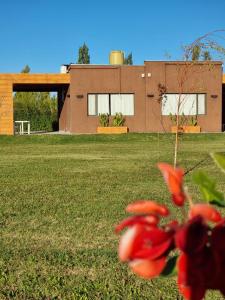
45, 34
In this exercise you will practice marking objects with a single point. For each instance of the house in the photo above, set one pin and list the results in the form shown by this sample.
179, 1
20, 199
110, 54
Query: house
145, 94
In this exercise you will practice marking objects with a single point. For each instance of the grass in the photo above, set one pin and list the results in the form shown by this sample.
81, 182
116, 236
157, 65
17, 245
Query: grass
60, 198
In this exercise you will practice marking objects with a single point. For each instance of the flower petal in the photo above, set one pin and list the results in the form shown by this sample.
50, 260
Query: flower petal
150, 220
127, 242
153, 252
207, 211
147, 207
174, 180
148, 268
192, 236
218, 239
190, 292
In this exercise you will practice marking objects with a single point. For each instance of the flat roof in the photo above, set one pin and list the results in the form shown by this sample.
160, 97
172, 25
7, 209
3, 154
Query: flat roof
73, 65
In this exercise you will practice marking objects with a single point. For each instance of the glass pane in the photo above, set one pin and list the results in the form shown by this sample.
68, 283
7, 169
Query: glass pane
201, 104
169, 104
188, 104
122, 103
127, 104
91, 105
116, 104
103, 104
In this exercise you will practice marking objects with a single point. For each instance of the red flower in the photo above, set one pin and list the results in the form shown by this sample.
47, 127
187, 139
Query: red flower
144, 242
174, 180
145, 245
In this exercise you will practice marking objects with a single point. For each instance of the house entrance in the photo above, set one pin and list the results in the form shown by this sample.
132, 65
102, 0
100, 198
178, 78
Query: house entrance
29, 83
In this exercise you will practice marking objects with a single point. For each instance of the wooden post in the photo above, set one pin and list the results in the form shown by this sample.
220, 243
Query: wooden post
6, 108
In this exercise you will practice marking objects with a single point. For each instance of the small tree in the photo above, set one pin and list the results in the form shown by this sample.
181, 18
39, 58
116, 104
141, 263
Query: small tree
128, 59
196, 51
206, 55
83, 55
26, 69
192, 52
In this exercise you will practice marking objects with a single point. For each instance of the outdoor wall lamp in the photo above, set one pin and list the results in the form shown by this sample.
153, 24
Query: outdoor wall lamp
150, 95
214, 96
80, 96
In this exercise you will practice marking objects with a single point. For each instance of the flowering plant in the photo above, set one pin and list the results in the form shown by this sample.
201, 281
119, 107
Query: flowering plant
194, 247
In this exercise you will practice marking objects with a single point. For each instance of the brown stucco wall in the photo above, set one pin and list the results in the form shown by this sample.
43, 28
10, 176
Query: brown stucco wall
197, 78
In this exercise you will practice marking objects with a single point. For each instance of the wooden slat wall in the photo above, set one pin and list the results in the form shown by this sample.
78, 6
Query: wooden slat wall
6, 108
6, 94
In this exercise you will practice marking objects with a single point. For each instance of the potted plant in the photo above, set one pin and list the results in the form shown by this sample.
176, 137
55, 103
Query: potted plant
192, 126
117, 124
104, 120
174, 127
186, 124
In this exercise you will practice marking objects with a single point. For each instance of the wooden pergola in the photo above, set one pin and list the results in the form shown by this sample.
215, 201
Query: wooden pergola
24, 82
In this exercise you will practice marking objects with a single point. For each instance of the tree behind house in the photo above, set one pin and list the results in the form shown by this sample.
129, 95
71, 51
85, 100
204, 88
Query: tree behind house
128, 59
83, 55
26, 69
196, 51
206, 55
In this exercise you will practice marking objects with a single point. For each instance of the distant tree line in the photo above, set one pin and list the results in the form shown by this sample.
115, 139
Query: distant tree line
40, 108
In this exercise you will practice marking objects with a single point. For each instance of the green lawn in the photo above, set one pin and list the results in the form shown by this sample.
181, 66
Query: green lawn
60, 199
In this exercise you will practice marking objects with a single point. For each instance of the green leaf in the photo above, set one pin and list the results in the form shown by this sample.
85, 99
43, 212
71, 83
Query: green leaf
219, 159
170, 268
207, 187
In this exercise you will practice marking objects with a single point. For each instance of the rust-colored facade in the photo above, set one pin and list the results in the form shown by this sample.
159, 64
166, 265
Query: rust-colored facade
142, 81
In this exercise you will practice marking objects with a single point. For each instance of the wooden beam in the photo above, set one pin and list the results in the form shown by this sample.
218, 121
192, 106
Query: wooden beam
36, 78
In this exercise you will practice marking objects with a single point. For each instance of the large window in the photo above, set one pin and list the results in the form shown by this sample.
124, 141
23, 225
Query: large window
111, 104
189, 104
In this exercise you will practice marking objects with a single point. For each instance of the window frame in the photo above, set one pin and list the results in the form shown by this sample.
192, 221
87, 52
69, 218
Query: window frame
109, 94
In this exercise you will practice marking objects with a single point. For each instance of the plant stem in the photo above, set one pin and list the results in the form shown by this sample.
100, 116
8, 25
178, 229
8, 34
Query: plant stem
175, 149
176, 141
188, 196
